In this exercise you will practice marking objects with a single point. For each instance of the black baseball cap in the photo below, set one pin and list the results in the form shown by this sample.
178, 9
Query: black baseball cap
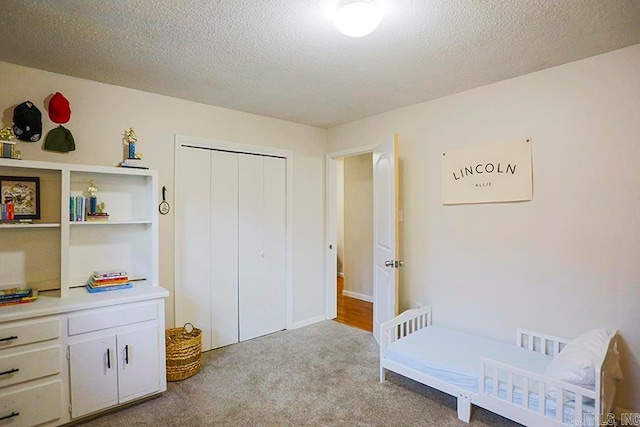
27, 122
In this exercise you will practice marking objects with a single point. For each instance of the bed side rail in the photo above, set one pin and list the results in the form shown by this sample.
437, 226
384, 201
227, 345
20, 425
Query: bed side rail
514, 385
539, 342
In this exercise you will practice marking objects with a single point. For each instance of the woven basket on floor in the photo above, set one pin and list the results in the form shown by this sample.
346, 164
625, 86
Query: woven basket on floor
184, 352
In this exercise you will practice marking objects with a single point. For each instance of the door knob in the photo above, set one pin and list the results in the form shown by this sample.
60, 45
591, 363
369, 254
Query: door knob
388, 263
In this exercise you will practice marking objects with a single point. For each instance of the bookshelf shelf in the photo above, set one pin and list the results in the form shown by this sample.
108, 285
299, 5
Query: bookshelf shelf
60, 253
26, 225
109, 222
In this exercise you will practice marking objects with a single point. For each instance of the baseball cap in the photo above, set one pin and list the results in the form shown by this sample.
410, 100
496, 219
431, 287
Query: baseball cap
27, 122
59, 111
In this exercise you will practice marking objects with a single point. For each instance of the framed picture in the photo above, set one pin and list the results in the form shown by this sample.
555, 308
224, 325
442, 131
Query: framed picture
24, 192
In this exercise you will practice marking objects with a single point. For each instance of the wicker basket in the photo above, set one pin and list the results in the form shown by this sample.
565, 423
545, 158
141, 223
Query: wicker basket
184, 352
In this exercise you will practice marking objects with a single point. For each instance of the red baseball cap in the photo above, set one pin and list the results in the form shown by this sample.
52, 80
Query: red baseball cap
59, 111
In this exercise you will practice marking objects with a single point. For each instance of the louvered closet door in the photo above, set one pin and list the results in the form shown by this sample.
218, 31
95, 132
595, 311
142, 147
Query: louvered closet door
261, 245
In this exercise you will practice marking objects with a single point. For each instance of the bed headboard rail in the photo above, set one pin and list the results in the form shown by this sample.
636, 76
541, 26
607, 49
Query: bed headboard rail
539, 342
406, 323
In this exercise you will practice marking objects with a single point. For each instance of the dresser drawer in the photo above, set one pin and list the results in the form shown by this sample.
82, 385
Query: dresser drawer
19, 333
23, 366
105, 318
32, 406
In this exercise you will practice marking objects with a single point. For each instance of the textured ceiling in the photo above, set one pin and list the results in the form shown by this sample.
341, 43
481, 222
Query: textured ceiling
285, 59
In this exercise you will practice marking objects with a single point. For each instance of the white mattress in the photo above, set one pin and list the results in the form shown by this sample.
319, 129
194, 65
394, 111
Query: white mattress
454, 357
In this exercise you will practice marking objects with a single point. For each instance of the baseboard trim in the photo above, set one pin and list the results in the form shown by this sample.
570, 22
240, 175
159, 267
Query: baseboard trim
308, 322
357, 295
340, 274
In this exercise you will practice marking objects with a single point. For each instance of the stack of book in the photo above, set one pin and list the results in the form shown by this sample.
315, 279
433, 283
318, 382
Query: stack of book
97, 216
133, 163
102, 281
17, 296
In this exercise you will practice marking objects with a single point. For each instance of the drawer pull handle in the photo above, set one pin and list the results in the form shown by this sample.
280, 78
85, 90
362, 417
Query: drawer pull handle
13, 337
108, 358
13, 414
10, 371
126, 354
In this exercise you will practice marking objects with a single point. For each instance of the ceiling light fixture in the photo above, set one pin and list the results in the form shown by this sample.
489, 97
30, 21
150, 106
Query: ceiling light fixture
357, 18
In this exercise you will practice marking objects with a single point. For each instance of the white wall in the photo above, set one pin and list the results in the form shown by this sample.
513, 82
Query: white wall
564, 263
358, 224
101, 113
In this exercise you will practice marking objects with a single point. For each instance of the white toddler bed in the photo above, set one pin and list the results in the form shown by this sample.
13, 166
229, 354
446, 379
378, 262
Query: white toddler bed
529, 383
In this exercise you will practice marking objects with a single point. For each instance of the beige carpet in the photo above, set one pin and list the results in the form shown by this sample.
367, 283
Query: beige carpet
325, 374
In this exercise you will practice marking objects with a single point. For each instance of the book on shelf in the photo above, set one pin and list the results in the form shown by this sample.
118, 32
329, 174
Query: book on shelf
92, 290
107, 282
99, 274
20, 297
133, 163
14, 292
98, 216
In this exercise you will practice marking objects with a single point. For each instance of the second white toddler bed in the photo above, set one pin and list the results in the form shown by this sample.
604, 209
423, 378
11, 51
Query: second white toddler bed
530, 383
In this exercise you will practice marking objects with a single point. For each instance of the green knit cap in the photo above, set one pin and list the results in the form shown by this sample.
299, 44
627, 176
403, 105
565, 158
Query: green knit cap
59, 139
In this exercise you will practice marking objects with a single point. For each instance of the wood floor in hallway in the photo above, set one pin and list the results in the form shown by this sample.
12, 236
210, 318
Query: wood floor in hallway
354, 312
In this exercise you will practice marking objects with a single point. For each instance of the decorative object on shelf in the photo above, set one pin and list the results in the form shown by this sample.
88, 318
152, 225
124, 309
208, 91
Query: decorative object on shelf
59, 110
130, 139
7, 135
87, 208
184, 352
59, 139
7, 144
164, 207
93, 200
23, 193
27, 122
132, 159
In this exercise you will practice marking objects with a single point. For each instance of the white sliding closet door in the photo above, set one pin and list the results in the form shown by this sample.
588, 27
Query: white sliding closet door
261, 244
193, 245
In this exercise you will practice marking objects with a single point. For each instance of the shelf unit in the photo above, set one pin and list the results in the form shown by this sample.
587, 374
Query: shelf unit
55, 254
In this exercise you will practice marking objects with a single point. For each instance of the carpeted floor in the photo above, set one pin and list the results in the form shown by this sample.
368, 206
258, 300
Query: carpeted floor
325, 374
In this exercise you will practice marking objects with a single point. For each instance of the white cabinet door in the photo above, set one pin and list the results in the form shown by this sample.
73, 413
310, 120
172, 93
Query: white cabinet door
94, 375
138, 363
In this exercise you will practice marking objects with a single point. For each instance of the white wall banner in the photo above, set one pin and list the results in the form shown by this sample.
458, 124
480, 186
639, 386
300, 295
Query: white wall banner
490, 173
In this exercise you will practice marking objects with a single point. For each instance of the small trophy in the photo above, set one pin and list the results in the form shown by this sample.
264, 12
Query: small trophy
93, 200
132, 159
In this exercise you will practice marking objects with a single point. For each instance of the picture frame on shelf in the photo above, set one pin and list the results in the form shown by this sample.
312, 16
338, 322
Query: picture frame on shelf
24, 191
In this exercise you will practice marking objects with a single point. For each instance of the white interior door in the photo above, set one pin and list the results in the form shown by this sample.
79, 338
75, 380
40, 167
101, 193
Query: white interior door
385, 236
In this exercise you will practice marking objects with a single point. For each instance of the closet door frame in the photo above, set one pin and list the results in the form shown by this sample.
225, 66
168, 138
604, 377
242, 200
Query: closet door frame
235, 147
